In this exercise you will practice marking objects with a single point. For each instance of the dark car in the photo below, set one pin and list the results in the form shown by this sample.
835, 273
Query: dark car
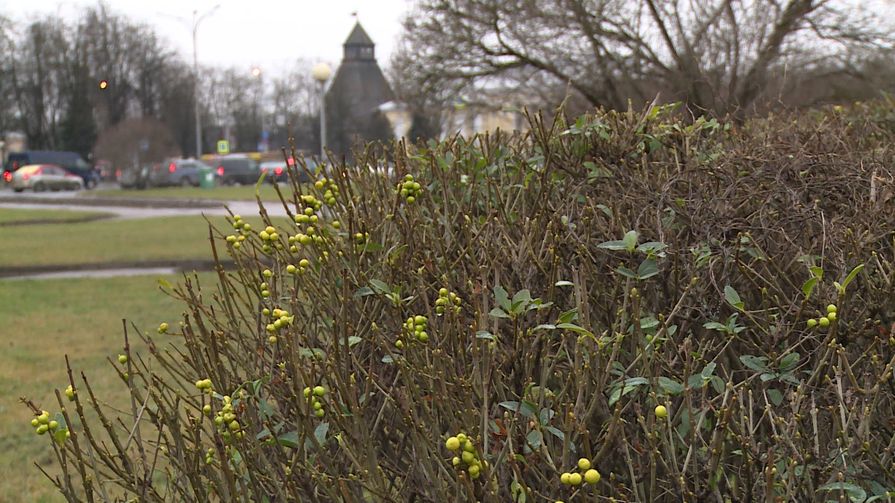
237, 170
182, 172
277, 171
71, 161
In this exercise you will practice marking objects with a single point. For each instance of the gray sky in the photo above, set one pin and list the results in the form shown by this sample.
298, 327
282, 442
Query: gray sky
270, 34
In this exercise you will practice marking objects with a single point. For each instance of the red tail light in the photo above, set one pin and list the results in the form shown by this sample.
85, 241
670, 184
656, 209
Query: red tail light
220, 171
290, 161
172, 168
278, 170
7, 176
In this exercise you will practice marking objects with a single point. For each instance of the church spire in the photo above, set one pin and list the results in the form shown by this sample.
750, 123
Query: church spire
359, 46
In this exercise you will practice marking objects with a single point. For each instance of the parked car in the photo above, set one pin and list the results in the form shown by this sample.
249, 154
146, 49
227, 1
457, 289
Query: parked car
41, 177
182, 172
237, 170
71, 161
277, 171
134, 177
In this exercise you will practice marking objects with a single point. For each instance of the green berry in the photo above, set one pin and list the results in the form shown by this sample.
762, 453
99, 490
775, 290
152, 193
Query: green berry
584, 464
122, 359
575, 479
591, 476
319, 390
811, 323
831, 308
824, 322
661, 412
452, 444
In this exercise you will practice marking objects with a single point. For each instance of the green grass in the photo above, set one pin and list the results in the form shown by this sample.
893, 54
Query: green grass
229, 193
174, 238
42, 322
8, 215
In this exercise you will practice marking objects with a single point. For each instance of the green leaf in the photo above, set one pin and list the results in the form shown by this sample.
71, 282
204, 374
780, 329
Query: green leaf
670, 386
714, 325
855, 493
353, 340
851, 276
525, 408
544, 326
498, 313
647, 269
624, 271
630, 240
574, 328
484, 334
808, 287
605, 209
613, 245
363, 292
732, 297
651, 247
555, 432
756, 363
817, 271
380, 286
501, 298
789, 361
775, 396
708, 370
520, 297
568, 316
648, 322
534, 438
289, 439
388, 359
320, 432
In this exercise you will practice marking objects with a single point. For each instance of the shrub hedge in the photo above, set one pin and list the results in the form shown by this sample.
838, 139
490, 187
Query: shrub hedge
635, 306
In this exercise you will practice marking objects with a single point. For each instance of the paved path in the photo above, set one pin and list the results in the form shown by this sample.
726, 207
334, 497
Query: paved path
244, 208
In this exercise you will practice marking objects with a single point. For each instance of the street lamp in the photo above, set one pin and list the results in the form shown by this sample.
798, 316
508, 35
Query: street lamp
196, 20
321, 73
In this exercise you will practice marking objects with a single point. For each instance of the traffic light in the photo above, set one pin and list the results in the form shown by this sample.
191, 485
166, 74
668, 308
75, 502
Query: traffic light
103, 84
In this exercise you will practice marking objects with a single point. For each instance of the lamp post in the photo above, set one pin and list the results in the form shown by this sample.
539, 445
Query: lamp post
321, 73
196, 20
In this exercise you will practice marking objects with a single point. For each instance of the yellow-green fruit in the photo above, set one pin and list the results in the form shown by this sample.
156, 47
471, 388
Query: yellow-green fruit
824, 322
234, 426
122, 359
455, 461
304, 262
467, 457
452, 444
319, 413
35, 422
564, 478
474, 471
661, 412
591, 476
831, 308
53, 425
583, 464
399, 344
811, 323
44, 417
319, 390
831, 316
206, 409
162, 328
575, 479
70, 392
42, 429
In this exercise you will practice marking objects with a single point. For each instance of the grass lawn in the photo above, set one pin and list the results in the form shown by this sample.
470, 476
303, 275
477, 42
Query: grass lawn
43, 321
9, 215
97, 242
228, 193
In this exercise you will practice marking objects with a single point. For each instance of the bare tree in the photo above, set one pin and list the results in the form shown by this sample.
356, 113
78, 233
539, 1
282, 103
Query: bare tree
716, 55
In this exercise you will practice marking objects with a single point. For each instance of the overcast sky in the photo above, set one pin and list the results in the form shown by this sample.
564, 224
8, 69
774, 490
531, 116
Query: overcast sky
270, 34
